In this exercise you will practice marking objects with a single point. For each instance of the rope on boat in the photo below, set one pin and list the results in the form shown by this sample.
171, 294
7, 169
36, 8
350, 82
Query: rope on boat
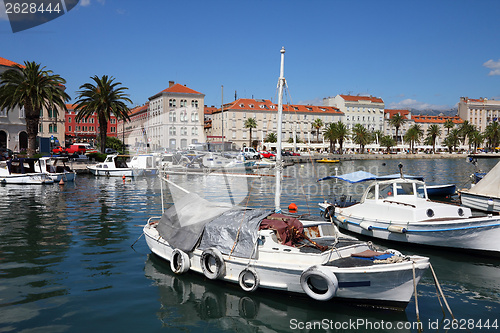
415, 291
132, 246
438, 287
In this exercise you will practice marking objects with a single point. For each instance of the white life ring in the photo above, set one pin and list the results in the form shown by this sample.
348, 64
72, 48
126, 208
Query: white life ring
212, 264
179, 262
319, 283
248, 280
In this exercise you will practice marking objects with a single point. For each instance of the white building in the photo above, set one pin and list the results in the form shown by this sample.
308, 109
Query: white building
479, 112
365, 110
175, 118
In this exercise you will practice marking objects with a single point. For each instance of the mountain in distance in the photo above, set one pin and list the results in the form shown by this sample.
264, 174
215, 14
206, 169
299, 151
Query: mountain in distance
431, 112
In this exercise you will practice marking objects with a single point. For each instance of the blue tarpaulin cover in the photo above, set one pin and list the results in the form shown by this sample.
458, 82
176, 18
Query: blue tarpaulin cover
361, 176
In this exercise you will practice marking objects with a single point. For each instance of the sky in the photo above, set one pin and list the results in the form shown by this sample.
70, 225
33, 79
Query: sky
412, 54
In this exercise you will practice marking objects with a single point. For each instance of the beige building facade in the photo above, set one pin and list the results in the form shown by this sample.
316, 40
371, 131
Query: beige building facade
297, 120
479, 112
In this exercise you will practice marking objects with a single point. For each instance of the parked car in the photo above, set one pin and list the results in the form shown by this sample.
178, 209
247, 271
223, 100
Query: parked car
77, 149
266, 154
250, 153
59, 150
88, 147
110, 151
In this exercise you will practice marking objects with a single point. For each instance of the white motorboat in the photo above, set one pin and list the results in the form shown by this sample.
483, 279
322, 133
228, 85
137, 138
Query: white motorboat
115, 166
56, 168
22, 171
144, 162
257, 248
399, 210
485, 195
216, 161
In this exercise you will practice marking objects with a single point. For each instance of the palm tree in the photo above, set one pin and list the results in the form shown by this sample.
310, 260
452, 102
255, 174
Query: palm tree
432, 133
361, 136
317, 124
397, 121
387, 141
330, 133
250, 123
342, 134
465, 129
492, 134
271, 137
452, 139
104, 98
413, 135
33, 88
476, 138
448, 124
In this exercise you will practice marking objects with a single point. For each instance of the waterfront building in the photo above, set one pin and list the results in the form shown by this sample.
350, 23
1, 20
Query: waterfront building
86, 130
297, 120
390, 129
12, 124
479, 112
175, 117
134, 132
13, 133
426, 121
365, 110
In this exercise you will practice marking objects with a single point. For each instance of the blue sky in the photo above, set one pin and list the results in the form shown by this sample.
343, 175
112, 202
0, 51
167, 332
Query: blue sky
412, 54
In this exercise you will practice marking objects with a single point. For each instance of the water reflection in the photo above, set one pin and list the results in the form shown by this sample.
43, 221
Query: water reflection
189, 301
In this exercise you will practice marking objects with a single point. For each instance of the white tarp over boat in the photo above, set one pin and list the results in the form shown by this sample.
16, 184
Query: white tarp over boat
489, 185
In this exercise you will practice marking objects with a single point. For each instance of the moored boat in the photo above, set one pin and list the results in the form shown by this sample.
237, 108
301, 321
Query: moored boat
399, 210
115, 166
257, 248
22, 171
56, 168
485, 195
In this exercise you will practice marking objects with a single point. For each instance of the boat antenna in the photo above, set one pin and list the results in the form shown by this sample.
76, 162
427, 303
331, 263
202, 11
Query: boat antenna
400, 166
279, 163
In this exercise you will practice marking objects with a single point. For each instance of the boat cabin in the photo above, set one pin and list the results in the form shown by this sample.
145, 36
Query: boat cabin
399, 189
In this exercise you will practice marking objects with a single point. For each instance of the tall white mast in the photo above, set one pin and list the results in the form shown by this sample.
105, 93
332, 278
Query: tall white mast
279, 163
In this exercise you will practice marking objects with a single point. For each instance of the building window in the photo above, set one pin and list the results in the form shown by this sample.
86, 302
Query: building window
194, 103
69, 128
172, 103
194, 130
183, 116
184, 131
194, 116
172, 117
234, 135
172, 130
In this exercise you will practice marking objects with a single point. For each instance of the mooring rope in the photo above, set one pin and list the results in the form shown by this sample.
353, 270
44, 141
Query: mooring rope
438, 286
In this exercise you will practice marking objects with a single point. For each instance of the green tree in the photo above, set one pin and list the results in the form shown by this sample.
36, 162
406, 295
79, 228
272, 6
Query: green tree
330, 134
105, 98
465, 130
432, 133
452, 139
397, 121
476, 139
271, 137
448, 124
316, 125
492, 134
361, 136
33, 88
413, 135
388, 142
250, 123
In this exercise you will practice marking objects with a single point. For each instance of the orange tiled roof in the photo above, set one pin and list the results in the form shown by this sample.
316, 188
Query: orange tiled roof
138, 109
392, 112
436, 119
179, 88
362, 98
8, 63
210, 109
265, 104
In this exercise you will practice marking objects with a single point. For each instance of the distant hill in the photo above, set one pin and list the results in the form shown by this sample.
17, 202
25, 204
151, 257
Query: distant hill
429, 112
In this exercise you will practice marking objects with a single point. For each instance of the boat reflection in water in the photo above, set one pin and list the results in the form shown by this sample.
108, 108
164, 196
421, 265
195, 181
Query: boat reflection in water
224, 307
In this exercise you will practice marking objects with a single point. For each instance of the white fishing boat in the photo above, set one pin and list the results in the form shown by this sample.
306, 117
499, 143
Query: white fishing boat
215, 161
144, 162
115, 166
485, 195
257, 248
22, 171
56, 168
399, 210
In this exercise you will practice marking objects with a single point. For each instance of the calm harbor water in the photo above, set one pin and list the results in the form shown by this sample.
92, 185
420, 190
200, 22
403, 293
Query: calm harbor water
67, 265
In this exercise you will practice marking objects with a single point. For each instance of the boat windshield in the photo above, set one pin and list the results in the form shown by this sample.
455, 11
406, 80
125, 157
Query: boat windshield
405, 188
420, 191
385, 191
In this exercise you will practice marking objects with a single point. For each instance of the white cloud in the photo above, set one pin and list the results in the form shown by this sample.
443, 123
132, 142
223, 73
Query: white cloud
494, 66
85, 3
414, 104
